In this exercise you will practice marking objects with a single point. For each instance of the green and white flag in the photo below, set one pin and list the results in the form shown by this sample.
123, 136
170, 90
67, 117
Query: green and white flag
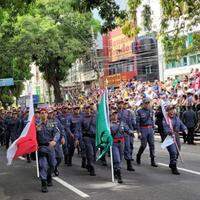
104, 138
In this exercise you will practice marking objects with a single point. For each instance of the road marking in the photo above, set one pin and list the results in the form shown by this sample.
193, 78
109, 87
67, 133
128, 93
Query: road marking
71, 187
182, 169
3, 173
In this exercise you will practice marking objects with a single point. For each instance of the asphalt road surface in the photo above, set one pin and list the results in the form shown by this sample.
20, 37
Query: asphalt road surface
19, 181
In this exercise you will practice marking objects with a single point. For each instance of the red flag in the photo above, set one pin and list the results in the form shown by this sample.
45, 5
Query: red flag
27, 142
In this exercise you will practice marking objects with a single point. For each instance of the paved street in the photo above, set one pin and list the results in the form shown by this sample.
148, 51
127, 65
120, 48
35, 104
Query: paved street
19, 182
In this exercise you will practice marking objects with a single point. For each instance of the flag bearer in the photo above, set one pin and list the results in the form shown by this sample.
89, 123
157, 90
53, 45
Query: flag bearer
145, 128
173, 130
47, 137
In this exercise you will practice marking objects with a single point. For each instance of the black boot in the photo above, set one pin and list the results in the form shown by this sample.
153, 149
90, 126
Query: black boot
103, 161
129, 166
56, 172
153, 163
88, 168
28, 158
119, 177
138, 159
115, 174
44, 186
174, 169
92, 172
83, 165
49, 181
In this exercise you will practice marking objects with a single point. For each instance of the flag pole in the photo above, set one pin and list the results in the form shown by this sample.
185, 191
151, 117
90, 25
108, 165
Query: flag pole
111, 164
179, 152
111, 153
37, 164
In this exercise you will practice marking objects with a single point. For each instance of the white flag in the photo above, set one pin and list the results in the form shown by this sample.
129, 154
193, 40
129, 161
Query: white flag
167, 142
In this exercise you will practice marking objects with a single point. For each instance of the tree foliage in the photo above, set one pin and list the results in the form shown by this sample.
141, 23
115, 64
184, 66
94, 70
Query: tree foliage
54, 35
12, 64
147, 18
51, 33
109, 11
128, 24
179, 18
185, 16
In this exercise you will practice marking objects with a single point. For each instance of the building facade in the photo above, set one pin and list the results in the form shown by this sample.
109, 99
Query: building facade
145, 49
119, 60
180, 67
39, 86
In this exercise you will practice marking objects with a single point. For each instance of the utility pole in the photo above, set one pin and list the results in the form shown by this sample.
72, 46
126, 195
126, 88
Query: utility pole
94, 62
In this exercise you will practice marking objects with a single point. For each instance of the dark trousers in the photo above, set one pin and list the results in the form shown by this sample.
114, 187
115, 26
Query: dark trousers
190, 136
2, 138
162, 135
88, 150
8, 134
147, 137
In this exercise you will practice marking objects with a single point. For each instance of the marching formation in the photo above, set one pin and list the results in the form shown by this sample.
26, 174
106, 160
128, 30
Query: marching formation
135, 108
62, 129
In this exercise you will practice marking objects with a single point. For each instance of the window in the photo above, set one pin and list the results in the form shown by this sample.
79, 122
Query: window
198, 58
178, 64
193, 60
185, 62
168, 65
119, 68
124, 67
148, 69
111, 69
173, 64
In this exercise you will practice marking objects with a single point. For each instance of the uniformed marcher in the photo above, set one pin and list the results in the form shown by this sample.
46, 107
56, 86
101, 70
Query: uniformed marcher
9, 124
125, 118
2, 129
118, 145
47, 137
133, 126
74, 134
65, 118
190, 120
173, 130
20, 124
58, 147
87, 140
14, 128
145, 128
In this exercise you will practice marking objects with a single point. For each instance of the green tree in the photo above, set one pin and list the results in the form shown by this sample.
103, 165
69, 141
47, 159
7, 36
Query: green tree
185, 16
129, 23
11, 64
54, 35
147, 18
109, 11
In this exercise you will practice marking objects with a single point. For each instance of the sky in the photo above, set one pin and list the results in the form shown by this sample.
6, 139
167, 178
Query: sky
122, 4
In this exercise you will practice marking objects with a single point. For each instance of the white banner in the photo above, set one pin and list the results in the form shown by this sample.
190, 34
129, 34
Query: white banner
167, 142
